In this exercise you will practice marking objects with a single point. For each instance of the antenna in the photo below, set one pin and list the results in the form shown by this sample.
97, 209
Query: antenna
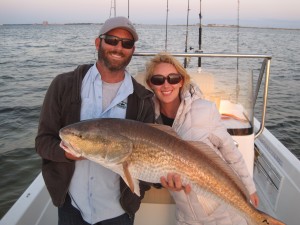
113, 7
166, 41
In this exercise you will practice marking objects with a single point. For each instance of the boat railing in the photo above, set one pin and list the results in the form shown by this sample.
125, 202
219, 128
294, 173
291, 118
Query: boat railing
264, 73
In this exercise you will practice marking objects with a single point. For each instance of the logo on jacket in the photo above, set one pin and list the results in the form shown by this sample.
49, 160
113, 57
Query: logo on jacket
122, 105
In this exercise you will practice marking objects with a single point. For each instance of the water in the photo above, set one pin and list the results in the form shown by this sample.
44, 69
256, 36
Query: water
31, 56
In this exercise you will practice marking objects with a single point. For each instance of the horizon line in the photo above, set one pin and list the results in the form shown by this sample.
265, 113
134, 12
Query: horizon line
45, 23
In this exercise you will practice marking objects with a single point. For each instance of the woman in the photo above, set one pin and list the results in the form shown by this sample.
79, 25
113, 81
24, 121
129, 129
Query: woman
180, 104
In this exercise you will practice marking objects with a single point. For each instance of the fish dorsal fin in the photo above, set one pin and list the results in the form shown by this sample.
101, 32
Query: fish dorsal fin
223, 165
164, 128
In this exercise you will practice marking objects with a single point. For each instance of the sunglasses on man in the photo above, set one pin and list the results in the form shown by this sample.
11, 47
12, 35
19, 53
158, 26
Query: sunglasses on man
113, 40
172, 78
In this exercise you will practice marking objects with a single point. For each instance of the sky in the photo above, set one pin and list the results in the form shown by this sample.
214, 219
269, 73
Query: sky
263, 13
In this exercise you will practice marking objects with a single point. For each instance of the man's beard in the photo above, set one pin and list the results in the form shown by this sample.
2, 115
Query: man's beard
103, 55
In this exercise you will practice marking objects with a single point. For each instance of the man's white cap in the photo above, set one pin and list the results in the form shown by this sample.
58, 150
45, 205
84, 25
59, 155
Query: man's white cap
119, 22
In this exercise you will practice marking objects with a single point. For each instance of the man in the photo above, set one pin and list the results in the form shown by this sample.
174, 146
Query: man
83, 191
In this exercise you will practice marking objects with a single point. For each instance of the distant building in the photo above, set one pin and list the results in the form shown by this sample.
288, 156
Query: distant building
45, 22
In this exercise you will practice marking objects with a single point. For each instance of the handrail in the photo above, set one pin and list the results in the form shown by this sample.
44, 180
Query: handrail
266, 66
265, 99
214, 55
259, 80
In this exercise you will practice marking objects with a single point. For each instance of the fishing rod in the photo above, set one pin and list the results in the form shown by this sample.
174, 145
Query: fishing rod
200, 37
187, 31
238, 50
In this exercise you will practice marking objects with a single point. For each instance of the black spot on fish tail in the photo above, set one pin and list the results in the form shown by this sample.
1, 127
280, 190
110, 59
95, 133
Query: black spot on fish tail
266, 221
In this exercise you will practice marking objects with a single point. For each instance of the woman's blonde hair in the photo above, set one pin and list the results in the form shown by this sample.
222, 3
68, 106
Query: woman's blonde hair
165, 57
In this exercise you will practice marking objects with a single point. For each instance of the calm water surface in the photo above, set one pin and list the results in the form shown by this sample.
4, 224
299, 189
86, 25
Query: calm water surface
31, 56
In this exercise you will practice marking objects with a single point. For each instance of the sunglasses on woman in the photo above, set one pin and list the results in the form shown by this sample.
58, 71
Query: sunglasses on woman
172, 78
113, 40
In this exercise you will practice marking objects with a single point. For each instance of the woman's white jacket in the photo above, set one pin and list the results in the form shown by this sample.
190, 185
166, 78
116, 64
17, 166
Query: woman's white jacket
199, 120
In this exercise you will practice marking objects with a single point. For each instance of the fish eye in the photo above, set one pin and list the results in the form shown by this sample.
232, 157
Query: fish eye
78, 134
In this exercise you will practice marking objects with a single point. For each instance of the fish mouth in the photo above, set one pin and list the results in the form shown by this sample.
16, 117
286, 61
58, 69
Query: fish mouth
68, 147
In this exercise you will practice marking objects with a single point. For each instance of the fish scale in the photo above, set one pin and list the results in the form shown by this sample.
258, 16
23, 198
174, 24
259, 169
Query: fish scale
148, 152
162, 166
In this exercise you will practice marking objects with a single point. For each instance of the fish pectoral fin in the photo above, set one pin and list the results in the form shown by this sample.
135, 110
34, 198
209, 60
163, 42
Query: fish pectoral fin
136, 187
133, 184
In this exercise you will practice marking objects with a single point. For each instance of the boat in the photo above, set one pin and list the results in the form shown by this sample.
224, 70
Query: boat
276, 171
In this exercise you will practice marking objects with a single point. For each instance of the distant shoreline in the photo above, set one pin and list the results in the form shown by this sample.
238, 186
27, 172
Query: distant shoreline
206, 25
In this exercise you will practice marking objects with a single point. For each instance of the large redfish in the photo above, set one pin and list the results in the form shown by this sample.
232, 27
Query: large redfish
139, 151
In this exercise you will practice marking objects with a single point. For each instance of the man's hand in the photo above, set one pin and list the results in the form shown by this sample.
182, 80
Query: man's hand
68, 152
173, 183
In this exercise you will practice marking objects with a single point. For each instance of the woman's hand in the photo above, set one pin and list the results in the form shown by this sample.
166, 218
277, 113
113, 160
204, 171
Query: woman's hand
254, 199
173, 183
